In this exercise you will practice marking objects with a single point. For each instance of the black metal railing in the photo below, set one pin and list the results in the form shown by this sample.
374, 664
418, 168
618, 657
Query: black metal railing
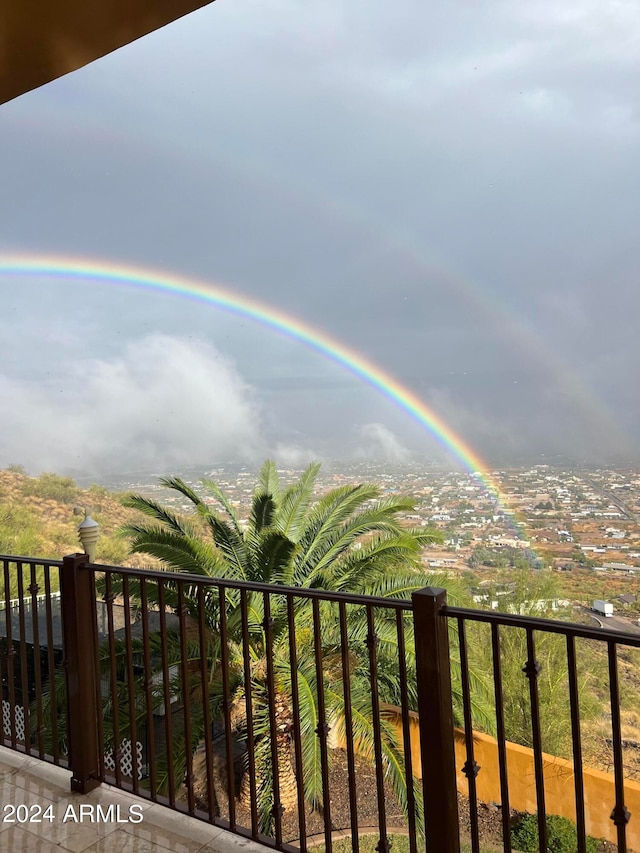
248, 680
532, 670
31, 657
283, 714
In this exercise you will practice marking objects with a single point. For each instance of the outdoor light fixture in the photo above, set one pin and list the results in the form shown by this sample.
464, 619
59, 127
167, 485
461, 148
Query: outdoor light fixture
87, 532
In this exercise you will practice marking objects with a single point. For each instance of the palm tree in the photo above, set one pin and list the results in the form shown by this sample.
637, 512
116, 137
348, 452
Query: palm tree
351, 539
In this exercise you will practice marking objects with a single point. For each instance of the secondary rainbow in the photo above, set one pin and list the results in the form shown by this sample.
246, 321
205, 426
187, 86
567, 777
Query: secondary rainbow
363, 368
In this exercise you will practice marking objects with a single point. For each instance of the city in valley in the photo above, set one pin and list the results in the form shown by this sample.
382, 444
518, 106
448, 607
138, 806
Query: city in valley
584, 525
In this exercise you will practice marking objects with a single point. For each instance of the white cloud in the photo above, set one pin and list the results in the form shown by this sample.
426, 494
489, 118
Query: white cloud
164, 402
378, 442
294, 456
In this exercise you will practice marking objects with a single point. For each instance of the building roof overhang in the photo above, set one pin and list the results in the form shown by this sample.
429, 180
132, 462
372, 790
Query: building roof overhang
41, 40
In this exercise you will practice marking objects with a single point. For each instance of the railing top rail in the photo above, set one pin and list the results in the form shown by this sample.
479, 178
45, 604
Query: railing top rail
491, 616
540, 624
32, 561
251, 586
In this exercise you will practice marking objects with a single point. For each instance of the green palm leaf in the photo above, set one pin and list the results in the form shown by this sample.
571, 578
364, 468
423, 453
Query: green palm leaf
268, 479
295, 502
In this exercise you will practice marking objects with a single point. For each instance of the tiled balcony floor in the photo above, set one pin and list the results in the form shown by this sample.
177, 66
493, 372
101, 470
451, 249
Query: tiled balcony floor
32, 783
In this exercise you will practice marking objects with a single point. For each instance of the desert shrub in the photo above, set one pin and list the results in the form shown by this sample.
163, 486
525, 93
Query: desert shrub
562, 836
52, 487
18, 530
17, 469
98, 493
112, 550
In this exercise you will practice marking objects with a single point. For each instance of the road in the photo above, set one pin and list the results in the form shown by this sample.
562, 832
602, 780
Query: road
612, 623
615, 500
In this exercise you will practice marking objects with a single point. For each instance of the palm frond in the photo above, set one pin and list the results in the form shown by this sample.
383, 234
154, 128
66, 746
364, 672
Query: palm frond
295, 502
182, 552
160, 513
271, 554
179, 485
359, 568
223, 500
268, 480
232, 546
263, 509
328, 513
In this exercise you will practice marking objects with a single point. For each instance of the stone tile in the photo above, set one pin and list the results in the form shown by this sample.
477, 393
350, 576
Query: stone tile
10, 758
70, 829
164, 839
11, 793
50, 773
6, 770
18, 840
187, 827
35, 787
108, 794
227, 842
126, 842
27, 781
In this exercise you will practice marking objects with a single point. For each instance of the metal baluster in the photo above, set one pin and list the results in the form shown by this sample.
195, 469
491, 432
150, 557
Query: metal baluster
11, 652
204, 680
186, 697
168, 728
470, 768
131, 690
502, 749
226, 707
348, 727
577, 743
115, 709
148, 683
37, 659
271, 691
51, 667
248, 692
323, 729
532, 669
620, 816
297, 736
24, 666
372, 642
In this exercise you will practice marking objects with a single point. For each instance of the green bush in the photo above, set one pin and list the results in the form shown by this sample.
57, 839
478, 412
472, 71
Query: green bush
561, 835
18, 530
52, 487
17, 469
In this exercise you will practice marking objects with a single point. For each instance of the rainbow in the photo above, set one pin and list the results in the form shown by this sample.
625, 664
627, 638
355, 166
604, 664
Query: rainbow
293, 328
299, 190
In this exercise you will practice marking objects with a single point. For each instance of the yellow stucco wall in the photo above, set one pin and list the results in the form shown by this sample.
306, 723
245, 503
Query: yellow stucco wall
599, 789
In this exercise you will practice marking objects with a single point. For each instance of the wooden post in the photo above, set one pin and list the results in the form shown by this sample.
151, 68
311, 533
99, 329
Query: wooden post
78, 605
436, 721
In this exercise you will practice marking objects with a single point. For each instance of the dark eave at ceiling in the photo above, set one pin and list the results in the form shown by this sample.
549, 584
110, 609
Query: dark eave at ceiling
44, 39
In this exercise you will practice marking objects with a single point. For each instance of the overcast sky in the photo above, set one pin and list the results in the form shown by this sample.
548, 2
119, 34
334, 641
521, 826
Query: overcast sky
451, 189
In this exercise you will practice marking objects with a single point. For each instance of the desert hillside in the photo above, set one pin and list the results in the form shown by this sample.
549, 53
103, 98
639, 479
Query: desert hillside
37, 519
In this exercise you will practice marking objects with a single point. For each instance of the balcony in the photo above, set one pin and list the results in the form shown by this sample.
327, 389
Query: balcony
191, 697
94, 822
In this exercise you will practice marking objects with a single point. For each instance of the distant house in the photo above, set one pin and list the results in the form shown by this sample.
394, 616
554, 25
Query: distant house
509, 542
620, 567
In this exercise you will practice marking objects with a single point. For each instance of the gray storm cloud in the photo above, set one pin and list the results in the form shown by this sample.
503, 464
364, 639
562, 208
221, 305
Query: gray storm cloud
358, 162
378, 442
164, 402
